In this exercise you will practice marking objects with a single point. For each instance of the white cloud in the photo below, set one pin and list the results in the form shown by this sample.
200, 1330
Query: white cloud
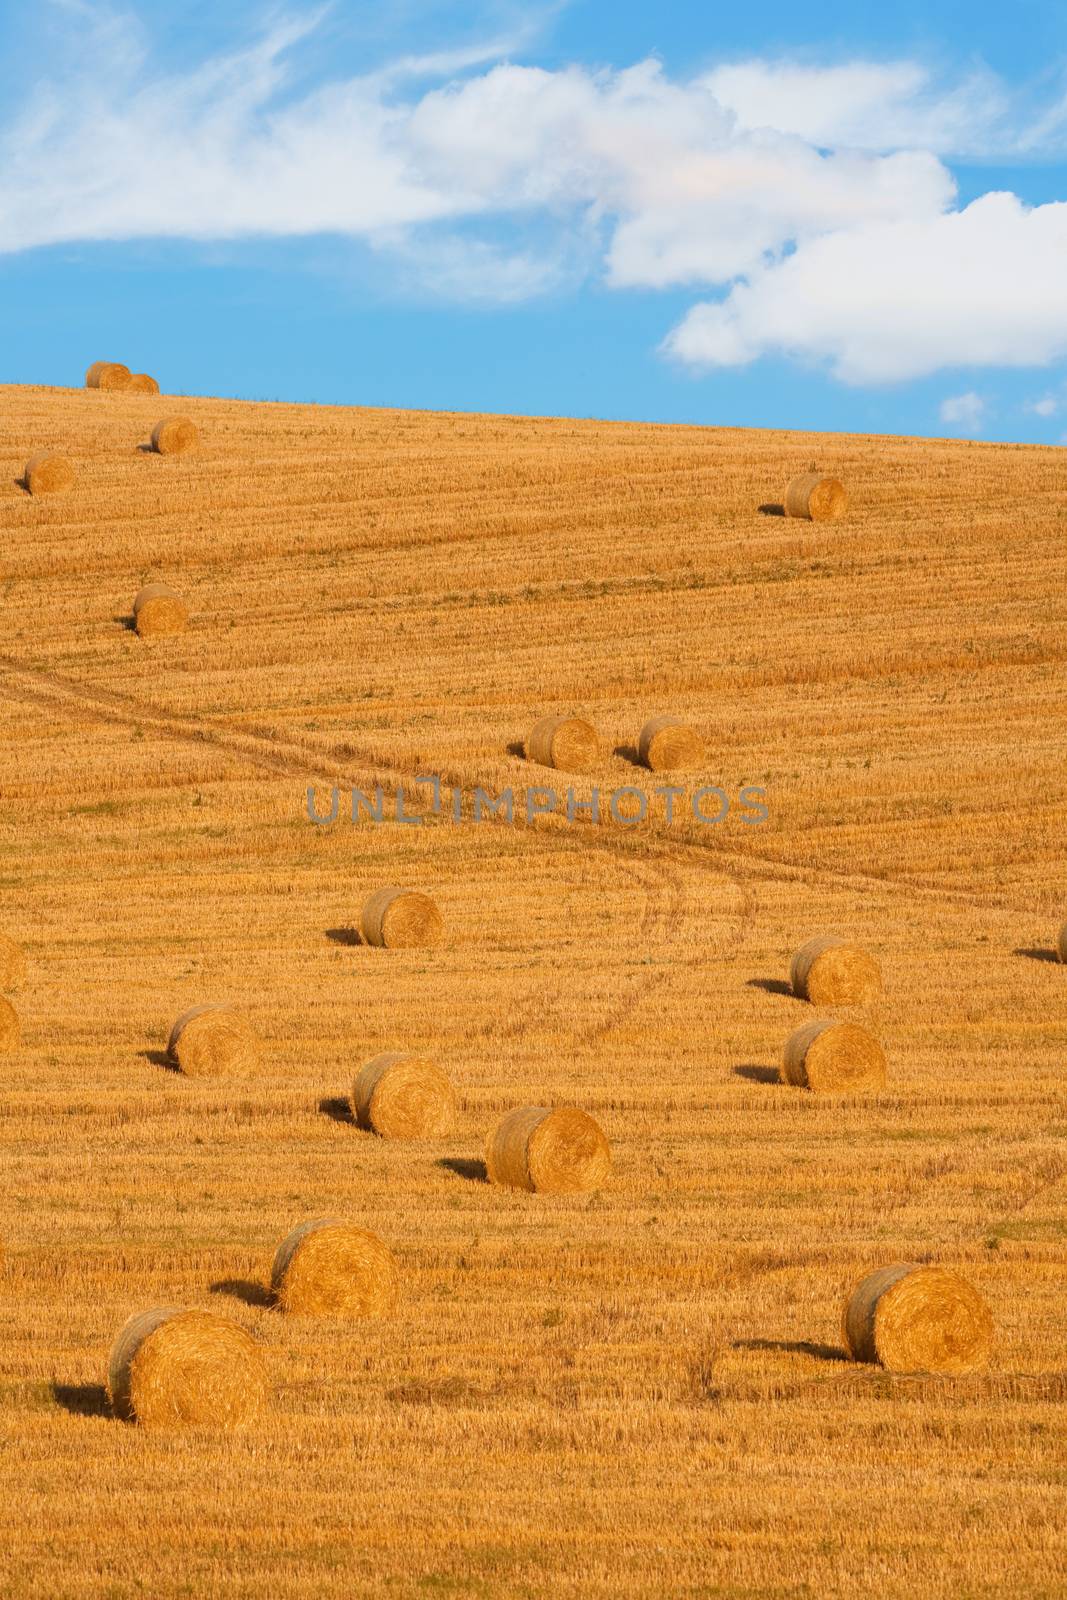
964, 412
1047, 406
885, 301
812, 199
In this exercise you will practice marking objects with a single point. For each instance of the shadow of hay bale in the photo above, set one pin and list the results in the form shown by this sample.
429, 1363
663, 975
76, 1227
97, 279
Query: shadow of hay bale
1034, 953
474, 1171
347, 936
770, 986
82, 1399
758, 1074
337, 1109
245, 1290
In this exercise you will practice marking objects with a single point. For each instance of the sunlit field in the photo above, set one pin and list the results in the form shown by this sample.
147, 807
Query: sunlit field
635, 1392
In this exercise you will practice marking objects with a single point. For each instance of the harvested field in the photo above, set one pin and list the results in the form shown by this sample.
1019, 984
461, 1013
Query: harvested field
641, 1390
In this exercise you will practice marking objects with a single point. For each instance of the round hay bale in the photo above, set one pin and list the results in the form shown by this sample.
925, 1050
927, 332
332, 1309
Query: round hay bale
830, 972
570, 744
159, 611
835, 1057
561, 1151
47, 473
141, 383
666, 744
12, 963
399, 1096
331, 1269
1062, 947
174, 436
817, 498
213, 1039
10, 1033
401, 919
918, 1319
107, 375
171, 1368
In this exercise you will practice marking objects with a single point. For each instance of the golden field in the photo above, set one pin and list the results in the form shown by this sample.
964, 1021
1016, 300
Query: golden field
637, 1392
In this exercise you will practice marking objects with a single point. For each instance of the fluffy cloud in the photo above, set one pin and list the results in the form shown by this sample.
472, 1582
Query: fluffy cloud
965, 413
812, 201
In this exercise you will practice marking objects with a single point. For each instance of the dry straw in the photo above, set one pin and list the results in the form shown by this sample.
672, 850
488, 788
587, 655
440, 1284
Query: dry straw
107, 375
9, 1026
211, 1039
401, 919
817, 498
918, 1319
666, 744
174, 436
141, 383
570, 744
561, 1151
401, 1096
836, 1057
159, 611
331, 1269
177, 1369
1063, 943
12, 963
830, 972
47, 473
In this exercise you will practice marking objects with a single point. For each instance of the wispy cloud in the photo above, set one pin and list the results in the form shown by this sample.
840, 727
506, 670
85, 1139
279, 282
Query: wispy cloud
964, 413
813, 202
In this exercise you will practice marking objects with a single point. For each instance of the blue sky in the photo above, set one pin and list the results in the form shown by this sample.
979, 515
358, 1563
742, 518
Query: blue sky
853, 217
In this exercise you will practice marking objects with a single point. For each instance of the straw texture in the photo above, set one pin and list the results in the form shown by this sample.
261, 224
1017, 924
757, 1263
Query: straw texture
159, 611
174, 436
12, 964
570, 744
666, 744
911, 1318
833, 1057
400, 1096
829, 972
815, 497
173, 1369
48, 473
400, 919
561, 1151
211, 1039
10, 1032
331, 1269
1062, 946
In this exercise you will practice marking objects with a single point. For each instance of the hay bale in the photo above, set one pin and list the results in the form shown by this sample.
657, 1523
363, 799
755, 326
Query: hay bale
570, 744
331, 1269
818, 498
831, 972
159, 611
401, 919
909, 1318
835, 1057
400, 1096
212, 1039
107, 375
12, 964
10, 1033
141, 383
1062, 946
666, 744
174, 436
47, 473
561, 1151
171, 1368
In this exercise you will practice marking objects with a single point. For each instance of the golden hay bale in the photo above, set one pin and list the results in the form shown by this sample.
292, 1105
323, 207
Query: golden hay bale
815, 497
401, 919
12, 963
561, 1151
159, 611
141, 383
918, 1319
174, 436
830, 972
331, 1269
837, 1057
666, 744
211, 1039
47, 473
403, 1097
107, 375
1063, 943
10, 1033
173, 1368
569, 744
